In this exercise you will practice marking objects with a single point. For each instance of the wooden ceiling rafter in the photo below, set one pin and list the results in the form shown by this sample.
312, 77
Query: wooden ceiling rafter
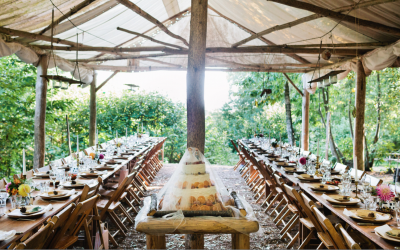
339, 16
108, 79
151, 19
259, 35
295, 57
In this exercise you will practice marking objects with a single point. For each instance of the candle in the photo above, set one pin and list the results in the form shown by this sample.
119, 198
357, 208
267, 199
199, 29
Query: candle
318, 147
142, 127
77, 143
23, 162
97, 137
126, 132
355, 168
116, 134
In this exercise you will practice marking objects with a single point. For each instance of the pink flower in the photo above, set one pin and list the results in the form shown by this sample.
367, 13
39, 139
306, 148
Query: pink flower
384, 192
8, 184
303, 161
101, 156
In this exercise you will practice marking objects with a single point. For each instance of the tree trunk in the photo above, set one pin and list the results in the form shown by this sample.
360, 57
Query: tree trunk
378, 122
332, 143
196, 74
93, 112
350, 119
289, 123
305, 120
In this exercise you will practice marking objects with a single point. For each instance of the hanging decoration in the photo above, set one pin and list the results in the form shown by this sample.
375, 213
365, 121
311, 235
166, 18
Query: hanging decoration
61, 82
328, 79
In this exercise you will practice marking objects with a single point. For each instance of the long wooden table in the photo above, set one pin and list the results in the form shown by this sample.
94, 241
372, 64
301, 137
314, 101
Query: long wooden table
24, 227
368, 231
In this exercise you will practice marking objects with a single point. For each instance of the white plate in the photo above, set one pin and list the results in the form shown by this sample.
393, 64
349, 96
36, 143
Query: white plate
17, 214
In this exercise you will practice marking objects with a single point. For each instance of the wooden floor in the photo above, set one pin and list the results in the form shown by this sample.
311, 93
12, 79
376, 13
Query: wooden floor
267, 237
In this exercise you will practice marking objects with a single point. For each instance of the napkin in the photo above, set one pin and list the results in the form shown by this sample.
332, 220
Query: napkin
5, 235
382, 229
378, 216
48, 208
71, 192
330, 198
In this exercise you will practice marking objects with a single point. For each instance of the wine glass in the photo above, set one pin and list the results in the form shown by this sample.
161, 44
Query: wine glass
365, 195
53, 177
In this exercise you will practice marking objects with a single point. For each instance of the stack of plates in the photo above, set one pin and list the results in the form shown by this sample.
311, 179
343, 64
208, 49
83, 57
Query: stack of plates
336, 199
362, 216
324, 187
89, 175
42, 174
309, 178
393, 235
76, 185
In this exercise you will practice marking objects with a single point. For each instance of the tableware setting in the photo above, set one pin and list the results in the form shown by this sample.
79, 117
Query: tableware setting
57, 195
5, 235
28, 212
363, 215
308, 177
388, 233
323, 187
341, 200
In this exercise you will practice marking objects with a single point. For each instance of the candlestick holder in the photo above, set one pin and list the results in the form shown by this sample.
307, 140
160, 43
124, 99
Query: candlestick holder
23, 177
356, 183
317, 164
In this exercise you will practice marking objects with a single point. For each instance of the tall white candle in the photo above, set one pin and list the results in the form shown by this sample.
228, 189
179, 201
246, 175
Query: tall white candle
318, 147
77, 143
126, 132
116, 134
142, 127
355, 169
97, 137
23, 162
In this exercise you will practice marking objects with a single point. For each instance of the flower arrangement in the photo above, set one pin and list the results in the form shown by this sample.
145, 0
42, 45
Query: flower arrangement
303, 161
101, 156
384, 193
24, 190
18, 186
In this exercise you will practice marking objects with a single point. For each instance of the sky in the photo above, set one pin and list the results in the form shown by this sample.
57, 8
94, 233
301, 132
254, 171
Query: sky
171, 84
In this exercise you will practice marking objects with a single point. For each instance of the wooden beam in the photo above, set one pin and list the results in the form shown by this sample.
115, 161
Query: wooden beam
34, 36
307, 19
108, 79
160, 62
93, 112
296, 57
334, 45
143, 56
294, 85
157, 68
358, 145
68, 14
196, 74
149, 38
337, 15
249, 49
305, 119
40, 113
151, 19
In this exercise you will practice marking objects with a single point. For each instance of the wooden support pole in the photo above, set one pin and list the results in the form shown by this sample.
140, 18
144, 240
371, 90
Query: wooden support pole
240, 241
93, 112
294, 85
305, 120
108, 79
358, 145
68, 136
194, 241
40, 113
155, 242
196, 74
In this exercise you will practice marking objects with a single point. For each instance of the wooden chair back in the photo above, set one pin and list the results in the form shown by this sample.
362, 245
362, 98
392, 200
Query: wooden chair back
57, 162
351, 244
328, 228
77, 218
66, 160
306, 204
90, 191
3, 183
60, 221
117, 194
37, 240
29, 174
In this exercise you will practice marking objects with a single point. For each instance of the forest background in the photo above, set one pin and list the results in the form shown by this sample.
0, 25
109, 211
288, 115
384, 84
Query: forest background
245, 114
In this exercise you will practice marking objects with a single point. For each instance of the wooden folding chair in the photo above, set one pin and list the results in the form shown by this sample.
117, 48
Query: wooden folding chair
68, 235
59, 220
241, 158
3, 183
37, 240
328, 228
351, 244
110, 205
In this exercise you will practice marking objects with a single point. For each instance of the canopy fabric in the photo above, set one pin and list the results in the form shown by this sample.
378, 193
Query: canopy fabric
229, 21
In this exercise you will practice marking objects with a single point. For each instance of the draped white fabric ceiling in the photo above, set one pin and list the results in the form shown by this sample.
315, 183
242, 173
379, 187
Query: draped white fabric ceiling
229, 21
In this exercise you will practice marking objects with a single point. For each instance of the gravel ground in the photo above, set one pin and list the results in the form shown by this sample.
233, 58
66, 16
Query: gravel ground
266, 238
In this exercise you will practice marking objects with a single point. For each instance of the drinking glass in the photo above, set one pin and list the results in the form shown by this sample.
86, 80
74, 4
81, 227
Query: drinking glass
365, 195
18, 201
53, 177
3, 199
13, 201
397, 209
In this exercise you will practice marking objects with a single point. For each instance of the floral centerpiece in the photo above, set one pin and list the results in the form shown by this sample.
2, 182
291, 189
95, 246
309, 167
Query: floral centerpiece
303, 161
385, 194
18, 186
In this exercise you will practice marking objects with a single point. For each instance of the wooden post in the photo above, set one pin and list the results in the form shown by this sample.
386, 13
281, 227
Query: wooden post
196, 74
155, 242
328, 133
358, 145
194, 241
93, 111
40, 113
305, 120
240, 241
68, 136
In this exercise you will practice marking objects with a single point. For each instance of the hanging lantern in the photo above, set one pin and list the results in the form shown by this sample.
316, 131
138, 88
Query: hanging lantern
56, 84
326, 55
328, 79
64, 85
